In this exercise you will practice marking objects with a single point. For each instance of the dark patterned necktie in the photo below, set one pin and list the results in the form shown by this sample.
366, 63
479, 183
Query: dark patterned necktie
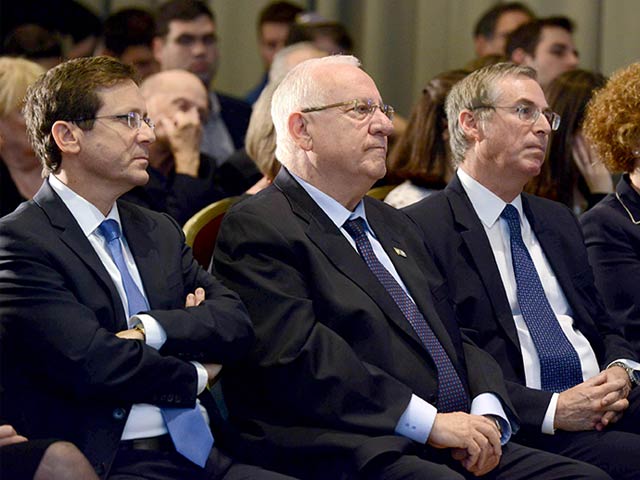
451, 393
189, 431
560, 367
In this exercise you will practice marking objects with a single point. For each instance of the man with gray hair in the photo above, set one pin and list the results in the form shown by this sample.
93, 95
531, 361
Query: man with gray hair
519, 278
359, 369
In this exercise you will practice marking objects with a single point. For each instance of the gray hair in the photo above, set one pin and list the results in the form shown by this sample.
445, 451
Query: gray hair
478, 88
300, 88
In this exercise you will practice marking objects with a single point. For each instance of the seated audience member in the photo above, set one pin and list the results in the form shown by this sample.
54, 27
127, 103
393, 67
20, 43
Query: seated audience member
494, 26
20, 169
612, 125
519, 279
572, 173
111, 327
22, 459
359, 370
421, 158
127, 36
546, 45
274, 24
34, 43
186, 38
181, 179
327, 35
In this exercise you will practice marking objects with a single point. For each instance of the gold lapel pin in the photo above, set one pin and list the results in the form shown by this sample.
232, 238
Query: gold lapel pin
399, 252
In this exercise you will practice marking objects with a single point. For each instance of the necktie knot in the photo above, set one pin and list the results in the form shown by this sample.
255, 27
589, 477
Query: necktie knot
110, 230
510, 214
355, 228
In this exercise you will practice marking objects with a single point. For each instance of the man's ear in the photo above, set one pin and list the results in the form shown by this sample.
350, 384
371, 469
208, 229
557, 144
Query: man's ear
470, 125
298, 131
66, 136
157, 44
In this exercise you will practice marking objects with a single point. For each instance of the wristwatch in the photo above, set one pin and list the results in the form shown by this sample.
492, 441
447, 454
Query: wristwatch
634, 376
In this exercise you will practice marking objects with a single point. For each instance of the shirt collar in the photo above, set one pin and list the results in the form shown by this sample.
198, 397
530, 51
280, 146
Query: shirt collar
214, 104
86, 214
334, 209
488, 205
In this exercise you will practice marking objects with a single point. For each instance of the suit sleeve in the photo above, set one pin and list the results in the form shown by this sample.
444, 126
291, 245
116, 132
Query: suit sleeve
300, 365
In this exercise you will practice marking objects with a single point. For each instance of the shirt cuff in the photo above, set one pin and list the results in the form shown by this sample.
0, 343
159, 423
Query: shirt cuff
550, 416
629, 363
489, 404
203, 377
417, 420
155, 336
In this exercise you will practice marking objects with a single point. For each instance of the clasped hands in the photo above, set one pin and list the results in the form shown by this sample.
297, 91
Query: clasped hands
474, 440
193, 300
594, 404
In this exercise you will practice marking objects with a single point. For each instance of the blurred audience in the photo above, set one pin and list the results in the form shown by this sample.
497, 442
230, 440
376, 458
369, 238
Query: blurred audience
186, 38
181, 179
34, 43
20, 170
611, 228
572, 172
493, 27
327, 35
274, 24
127, 36
546, 45
422, 157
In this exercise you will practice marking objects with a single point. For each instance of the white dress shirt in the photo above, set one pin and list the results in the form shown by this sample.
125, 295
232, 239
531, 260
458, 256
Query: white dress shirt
144, 420
488, 207
417, 419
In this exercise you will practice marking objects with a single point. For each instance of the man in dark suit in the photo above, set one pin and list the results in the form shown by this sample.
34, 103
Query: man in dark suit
359, 370
519, 278
100, 346
186, 38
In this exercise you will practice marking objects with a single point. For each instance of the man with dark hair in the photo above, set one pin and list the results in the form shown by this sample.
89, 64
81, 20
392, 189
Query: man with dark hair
518, 275
186, 38
274, 23
546, 45
493, 27
127, 35
111, 328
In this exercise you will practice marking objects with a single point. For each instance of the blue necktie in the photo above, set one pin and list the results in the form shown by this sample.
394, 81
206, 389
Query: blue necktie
560, 366
187, 427
451, 393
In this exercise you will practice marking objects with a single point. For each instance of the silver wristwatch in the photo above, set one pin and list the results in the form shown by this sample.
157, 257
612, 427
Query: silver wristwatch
634, 376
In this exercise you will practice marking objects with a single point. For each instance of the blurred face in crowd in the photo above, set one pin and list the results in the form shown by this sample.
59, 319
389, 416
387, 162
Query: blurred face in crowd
190, 45
273, 36
554, 54
141, 58
507, 23
15, 148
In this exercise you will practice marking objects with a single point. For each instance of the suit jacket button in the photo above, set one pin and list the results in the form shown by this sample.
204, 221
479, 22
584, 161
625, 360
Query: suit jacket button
119, 413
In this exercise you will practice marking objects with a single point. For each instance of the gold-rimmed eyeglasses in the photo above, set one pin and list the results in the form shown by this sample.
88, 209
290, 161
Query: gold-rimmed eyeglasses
134, 119
362, 108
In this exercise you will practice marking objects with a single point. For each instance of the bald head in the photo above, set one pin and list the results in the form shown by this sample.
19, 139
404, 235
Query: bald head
171, 91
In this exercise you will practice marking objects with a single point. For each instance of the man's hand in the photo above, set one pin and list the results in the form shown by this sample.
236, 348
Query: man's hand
585, 406
474, 440
184, 132
213, 370
8, 436
194, 299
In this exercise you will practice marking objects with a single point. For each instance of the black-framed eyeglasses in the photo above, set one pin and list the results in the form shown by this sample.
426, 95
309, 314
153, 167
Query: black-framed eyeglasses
134, 119
529, 113
362, 108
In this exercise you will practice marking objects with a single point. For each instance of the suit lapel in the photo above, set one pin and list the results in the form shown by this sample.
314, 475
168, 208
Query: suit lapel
72, 235
328, 238
475, 238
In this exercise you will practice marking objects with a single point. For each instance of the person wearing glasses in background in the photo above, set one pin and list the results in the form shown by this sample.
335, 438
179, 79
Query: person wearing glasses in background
518, 275
359, 370
111, 328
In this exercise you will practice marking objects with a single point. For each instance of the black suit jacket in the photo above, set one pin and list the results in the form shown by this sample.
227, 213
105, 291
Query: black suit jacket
613, 244
336, 361
236, 114
66, 375
460, 247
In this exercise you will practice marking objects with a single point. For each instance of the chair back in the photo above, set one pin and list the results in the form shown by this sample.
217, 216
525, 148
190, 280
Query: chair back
379, 193
202, 229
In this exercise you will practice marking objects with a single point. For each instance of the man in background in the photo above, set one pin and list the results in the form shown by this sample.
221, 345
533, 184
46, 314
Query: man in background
494, 26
